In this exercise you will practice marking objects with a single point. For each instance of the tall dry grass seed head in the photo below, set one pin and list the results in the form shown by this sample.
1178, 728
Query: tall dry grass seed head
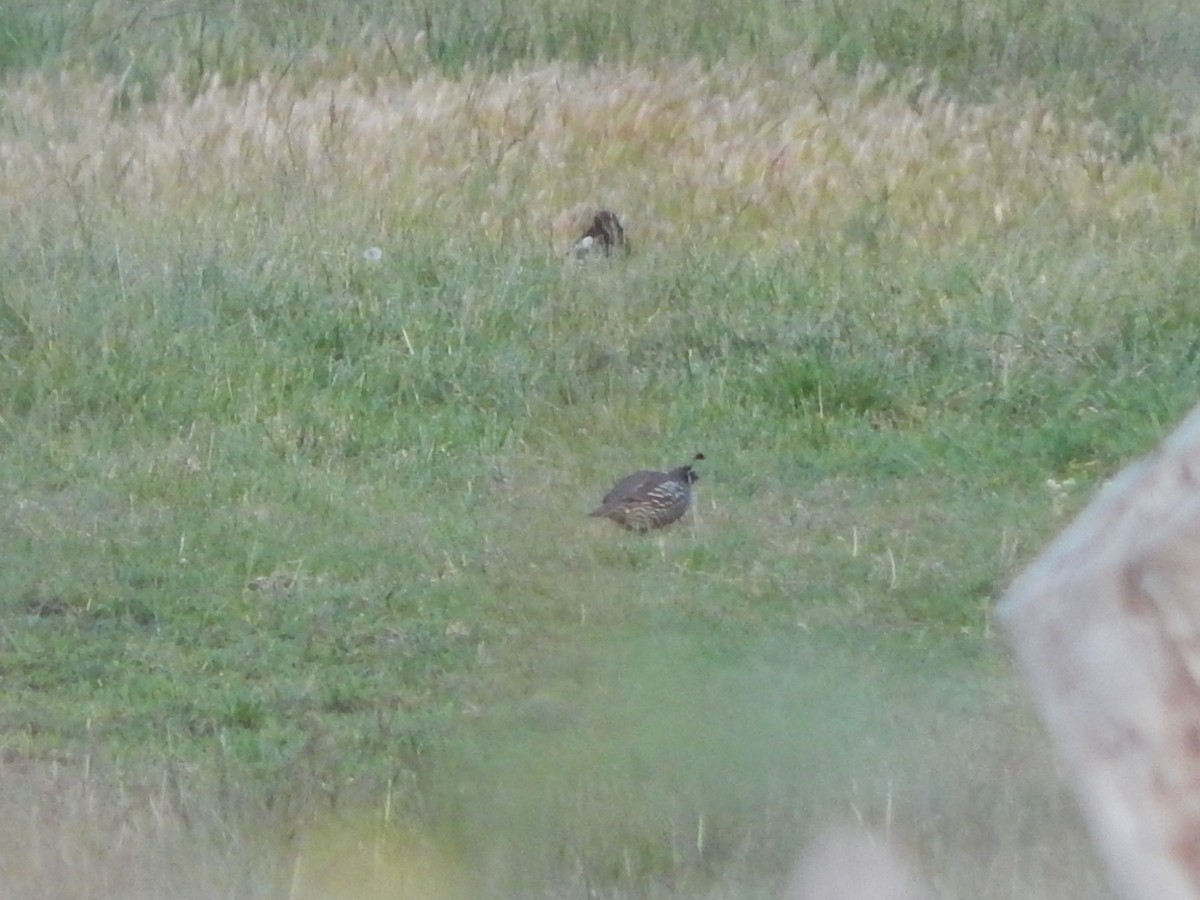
747, 156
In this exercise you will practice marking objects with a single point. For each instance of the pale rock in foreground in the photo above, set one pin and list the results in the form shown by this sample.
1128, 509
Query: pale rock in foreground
1106, 625
848, 863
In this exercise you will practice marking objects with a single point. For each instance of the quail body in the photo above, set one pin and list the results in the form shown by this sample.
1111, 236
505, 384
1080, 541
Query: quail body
603, 236
646, 500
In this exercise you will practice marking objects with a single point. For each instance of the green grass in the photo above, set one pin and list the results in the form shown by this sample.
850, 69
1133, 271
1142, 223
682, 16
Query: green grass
296, 583
338, 540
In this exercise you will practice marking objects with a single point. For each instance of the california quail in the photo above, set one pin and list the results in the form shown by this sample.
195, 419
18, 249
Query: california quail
604, 234
646, 500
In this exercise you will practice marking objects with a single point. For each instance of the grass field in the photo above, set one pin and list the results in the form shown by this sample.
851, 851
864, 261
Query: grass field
302, 406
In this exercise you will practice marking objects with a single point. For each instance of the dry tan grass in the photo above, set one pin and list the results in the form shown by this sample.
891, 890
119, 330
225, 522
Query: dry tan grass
983, 819
68, 834
749, 157
65, 835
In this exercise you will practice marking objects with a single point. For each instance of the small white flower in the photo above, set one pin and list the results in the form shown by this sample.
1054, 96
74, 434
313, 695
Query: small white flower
1059, 491
373, 254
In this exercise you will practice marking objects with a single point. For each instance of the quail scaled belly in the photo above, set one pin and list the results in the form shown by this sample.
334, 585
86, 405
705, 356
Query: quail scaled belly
646, 500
